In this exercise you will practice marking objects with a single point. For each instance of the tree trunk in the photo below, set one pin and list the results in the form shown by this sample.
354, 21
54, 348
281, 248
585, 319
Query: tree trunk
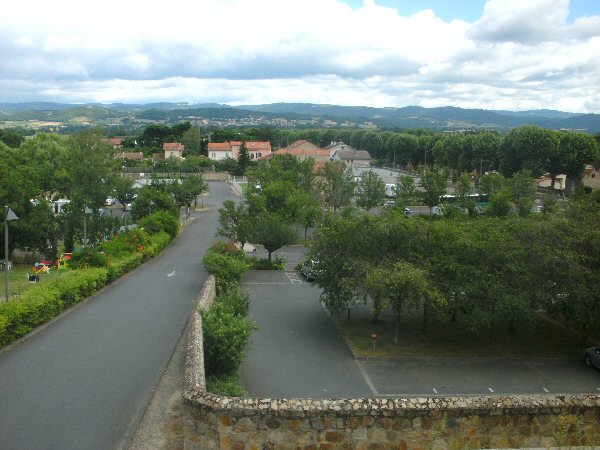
376, 310
348, 314
269, 256
425, 314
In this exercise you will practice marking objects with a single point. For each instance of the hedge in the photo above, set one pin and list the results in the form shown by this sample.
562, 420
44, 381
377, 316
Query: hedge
43, 302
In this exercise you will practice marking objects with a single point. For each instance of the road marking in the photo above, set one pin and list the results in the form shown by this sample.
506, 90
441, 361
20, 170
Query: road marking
545, 390
367, 378
598, 388
491, 390
293, 277
172, 274
435, 390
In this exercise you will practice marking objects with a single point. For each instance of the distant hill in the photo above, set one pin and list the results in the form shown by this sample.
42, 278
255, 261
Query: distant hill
299, 114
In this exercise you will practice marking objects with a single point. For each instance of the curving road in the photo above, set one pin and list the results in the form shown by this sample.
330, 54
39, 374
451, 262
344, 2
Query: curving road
84, 381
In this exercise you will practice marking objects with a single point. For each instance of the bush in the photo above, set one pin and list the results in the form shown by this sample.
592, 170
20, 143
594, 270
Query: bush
264, 264
43, 302
225, 338
226, 267
228, 386
161, 221
234, 298
87, 257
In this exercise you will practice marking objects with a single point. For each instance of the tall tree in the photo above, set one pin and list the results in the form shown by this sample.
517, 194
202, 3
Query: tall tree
272, 232
433, 184
527, 148
337, 185
370, 191
576, 150
243, 160
235, 222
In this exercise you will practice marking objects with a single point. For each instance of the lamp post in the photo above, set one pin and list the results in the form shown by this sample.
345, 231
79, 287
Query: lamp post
86, 211
8, 215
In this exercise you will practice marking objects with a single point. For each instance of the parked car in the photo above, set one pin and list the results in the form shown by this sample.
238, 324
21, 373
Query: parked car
407, 211
309, 270
389, 204
592, 357
110, 201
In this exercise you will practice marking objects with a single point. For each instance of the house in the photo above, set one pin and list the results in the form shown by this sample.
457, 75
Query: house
135, 156
303, 150
591, 177
173, 150
545, 181
352, 157
115, 142
231, 149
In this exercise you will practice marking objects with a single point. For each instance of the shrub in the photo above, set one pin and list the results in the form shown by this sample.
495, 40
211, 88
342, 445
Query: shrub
131, 241
264, 264
226, 267
160, 221
225, 338
228, 385
87, 257
41, 303
234, 298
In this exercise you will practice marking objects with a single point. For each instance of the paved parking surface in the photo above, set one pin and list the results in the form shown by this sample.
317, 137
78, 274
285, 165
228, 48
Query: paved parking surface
298, 352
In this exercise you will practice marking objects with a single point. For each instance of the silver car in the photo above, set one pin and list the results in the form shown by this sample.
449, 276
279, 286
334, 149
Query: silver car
592, 357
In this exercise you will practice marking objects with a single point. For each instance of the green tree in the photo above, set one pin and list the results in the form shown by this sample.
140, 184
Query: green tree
124, 190
433, 185
405, 190
337, 185
522, 188
193, 141
235, 222
272, 232
371, 191
527, 148
576, 150
490, 183
243, 160
401, 284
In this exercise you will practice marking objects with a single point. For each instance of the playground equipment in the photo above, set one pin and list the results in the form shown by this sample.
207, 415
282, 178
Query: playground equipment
39, 267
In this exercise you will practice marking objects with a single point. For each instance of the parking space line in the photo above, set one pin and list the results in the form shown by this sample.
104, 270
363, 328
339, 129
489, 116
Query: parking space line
545, 390
435, 391
293, 277
491, 390
598, 388
367, 378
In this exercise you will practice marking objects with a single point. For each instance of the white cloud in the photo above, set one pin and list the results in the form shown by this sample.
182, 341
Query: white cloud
519, 54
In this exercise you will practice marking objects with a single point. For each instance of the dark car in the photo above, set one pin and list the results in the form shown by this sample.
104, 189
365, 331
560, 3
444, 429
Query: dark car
309, 270
592, 357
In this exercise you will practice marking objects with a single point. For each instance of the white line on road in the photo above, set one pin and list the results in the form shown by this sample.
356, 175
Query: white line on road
293, 277
435, 390
545, 390
598, 388
172, 274
367, 378
491, 390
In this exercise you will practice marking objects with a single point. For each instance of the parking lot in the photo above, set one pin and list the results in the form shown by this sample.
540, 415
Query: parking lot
298, 352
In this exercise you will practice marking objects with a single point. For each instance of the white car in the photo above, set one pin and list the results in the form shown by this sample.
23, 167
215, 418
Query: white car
110, 201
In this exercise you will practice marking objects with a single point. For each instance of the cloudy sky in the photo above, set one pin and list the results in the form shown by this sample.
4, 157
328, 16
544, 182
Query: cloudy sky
494, 54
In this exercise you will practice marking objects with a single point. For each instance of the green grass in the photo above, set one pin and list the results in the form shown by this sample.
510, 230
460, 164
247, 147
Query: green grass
19, 281
453, 339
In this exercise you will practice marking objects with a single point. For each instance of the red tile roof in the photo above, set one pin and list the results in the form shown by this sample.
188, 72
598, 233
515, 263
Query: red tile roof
173, 147
219, 146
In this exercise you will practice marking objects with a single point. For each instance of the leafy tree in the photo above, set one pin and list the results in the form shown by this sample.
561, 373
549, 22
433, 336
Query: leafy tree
405, 190
490, 183
243, 160
401, 284
433, 185
522, 188
124, 190
153, 198
371, 191
272, 233
527, 148
500, 203
12, 138
193, 141
576, 150
235, 222
337, 185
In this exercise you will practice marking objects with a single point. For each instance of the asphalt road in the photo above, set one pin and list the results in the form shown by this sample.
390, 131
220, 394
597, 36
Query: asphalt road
84, 381
298, 352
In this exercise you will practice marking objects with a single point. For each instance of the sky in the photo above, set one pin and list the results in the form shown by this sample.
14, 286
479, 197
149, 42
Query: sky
494, 54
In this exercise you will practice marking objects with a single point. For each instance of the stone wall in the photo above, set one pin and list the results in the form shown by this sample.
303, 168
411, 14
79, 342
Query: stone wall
215, 422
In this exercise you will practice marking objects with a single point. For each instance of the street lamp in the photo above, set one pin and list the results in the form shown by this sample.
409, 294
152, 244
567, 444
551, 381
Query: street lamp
8, 215
86, 211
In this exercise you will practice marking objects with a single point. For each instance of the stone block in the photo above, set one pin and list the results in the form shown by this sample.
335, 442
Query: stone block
359, 434
239, 445
335, 436
353, 423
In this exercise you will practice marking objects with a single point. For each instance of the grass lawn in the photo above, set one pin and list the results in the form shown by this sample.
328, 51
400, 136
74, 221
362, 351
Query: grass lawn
19, 281
453, 339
